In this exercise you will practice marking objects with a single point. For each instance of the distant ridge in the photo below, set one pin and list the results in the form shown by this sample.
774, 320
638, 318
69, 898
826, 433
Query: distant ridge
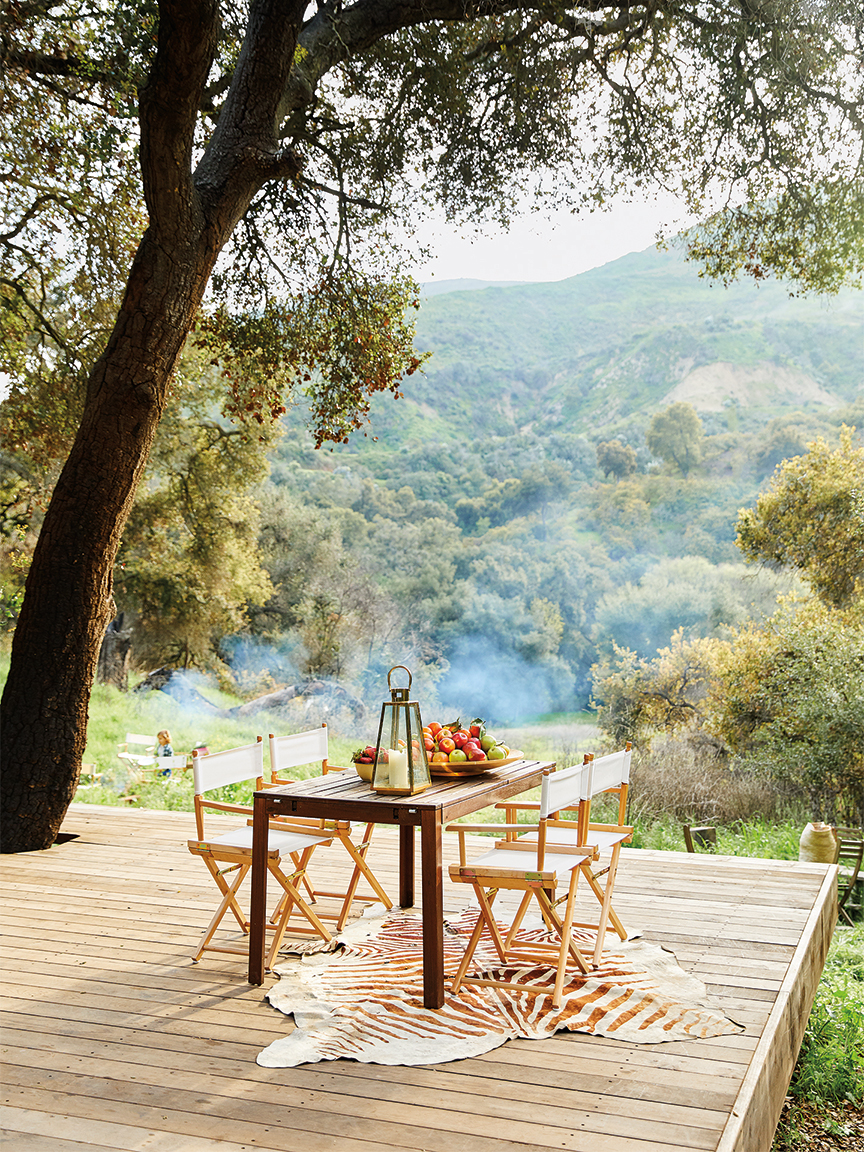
600, 352
439, 287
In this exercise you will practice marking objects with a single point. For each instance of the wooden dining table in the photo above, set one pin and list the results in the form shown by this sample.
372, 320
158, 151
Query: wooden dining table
344, 796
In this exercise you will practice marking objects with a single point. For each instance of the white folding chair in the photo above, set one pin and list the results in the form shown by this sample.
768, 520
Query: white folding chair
299, 750
137, 752
537, 869
230, 853
609, 774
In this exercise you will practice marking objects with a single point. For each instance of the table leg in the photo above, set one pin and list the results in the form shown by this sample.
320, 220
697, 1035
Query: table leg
433, 910
406, 865
258, 898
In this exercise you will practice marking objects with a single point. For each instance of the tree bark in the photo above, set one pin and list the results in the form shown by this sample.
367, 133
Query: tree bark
68, 598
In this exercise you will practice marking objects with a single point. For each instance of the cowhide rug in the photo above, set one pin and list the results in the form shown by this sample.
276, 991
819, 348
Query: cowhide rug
365, 1002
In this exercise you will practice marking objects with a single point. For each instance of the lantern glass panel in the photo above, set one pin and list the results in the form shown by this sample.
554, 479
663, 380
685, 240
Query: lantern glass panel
401, 766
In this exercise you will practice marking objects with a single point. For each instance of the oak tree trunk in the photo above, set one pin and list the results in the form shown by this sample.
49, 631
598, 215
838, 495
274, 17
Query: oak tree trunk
67, 599
68, 595
115, 654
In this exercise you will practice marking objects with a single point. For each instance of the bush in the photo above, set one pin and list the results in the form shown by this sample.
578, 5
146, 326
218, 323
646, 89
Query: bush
693, 781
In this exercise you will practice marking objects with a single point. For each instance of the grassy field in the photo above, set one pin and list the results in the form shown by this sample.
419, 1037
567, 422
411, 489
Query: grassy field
562, 738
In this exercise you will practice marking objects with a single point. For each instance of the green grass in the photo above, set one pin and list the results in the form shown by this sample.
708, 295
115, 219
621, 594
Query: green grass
830, 1068
831, 1065
114, 713
757, 837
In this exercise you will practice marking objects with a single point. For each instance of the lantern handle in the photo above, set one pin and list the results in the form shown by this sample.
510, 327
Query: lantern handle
394, 669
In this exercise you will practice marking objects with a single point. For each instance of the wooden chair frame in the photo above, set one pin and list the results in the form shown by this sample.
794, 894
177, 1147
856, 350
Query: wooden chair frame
231, 853
700, 837
553, 858
610, 774
293, 751
850, 854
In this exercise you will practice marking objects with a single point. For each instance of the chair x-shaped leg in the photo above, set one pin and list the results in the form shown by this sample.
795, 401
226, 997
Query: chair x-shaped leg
292, 897
510, 953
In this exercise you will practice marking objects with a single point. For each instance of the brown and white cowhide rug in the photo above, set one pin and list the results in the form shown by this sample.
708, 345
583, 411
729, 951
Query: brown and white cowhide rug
365, 1002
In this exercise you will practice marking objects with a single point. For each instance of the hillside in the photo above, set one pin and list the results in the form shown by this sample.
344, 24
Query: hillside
616, 343
470, 534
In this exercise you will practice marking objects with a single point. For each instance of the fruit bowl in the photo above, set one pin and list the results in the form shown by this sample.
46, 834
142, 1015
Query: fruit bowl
472, 767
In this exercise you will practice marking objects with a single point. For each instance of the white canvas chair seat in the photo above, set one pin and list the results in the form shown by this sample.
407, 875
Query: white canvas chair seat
523, 867
538, 871
277, 840
297, 750
229, 854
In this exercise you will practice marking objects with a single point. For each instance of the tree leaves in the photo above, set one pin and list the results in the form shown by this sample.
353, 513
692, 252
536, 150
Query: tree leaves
812, 518
675, 435
336, 345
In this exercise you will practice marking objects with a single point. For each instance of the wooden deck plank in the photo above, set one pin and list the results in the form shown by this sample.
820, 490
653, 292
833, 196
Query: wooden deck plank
115, 1039
284, 1124
367, 1097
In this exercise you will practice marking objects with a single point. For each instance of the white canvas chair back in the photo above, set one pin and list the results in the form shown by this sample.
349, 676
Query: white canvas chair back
219, 769
611, 771
567, 789
298, 749
143, 743
234, 766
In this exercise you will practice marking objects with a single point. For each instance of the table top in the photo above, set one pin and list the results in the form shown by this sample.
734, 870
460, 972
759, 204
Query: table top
344, 793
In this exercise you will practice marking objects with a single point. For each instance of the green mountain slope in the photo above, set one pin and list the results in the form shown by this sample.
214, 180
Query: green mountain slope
619, 342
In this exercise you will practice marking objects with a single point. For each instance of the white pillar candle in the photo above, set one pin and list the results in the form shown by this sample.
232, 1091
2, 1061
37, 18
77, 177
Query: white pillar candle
398, 765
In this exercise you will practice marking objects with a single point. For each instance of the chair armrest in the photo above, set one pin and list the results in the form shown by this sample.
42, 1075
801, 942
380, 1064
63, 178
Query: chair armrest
218, 806
462, 828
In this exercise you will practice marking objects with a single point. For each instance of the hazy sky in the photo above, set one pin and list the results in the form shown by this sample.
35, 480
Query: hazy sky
547, 249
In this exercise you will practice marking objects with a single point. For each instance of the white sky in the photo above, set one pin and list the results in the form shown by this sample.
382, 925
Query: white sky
541, 249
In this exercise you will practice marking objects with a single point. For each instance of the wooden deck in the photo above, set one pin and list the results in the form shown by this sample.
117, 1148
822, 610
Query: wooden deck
114, 1040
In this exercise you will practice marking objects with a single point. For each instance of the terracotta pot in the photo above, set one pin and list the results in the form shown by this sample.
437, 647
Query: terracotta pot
818, 844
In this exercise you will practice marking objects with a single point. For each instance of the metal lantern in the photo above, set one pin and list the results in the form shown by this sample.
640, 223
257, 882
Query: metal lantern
401, 767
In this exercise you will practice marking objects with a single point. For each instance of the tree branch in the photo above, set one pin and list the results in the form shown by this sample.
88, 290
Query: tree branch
169, 102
